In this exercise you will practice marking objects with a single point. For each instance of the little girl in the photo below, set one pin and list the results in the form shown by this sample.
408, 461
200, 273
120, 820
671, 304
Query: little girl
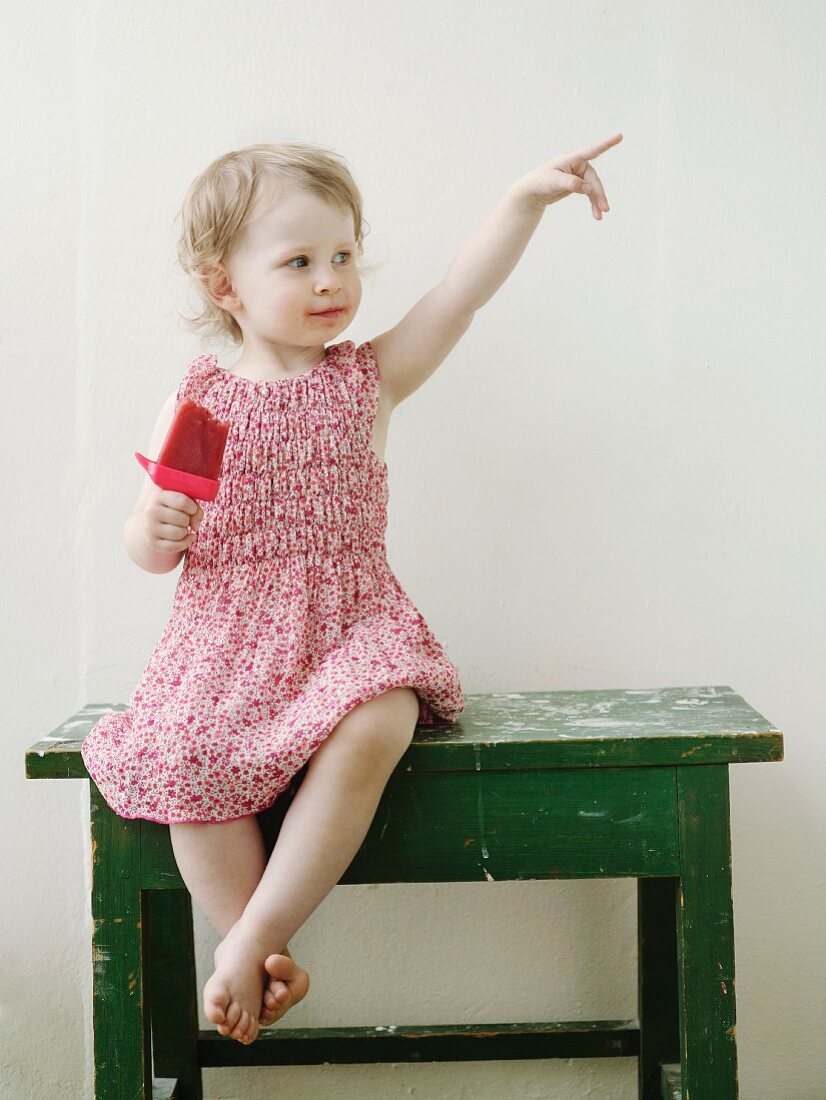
290, 641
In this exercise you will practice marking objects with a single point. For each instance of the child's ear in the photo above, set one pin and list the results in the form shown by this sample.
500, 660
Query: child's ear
217, 285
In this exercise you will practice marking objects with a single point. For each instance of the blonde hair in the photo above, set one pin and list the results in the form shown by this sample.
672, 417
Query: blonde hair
228, 194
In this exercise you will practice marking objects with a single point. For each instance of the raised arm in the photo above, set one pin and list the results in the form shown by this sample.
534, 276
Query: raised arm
409, 353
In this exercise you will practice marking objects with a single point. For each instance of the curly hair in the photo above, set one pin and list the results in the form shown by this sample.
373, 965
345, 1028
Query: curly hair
230, 192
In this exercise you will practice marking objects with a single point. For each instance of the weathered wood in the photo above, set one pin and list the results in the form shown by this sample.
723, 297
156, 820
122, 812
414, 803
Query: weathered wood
656, 981
465, 827
521, 731
525, 785
671, 1089
705, 936
442, 1043
461, 826
173, 991
120, 1011
166, 1088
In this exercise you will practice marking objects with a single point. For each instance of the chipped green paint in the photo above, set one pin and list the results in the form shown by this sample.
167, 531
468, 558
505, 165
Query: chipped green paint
166, 1088
398, 1043
534, 729
174, 994
705, 937
671, 1089
123, 1070
556, 784
559, 823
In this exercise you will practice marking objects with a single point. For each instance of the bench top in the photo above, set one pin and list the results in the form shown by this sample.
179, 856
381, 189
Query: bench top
512, 731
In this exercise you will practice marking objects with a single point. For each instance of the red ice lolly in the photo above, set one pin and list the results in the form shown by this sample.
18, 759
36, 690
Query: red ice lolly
192, 453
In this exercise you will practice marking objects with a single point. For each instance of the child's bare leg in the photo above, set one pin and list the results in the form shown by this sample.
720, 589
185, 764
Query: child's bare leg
221, 865
321, 832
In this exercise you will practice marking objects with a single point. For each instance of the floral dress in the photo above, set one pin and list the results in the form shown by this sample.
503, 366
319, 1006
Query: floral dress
286, 614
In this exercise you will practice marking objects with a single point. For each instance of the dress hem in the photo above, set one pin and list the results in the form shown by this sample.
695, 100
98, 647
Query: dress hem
273, 798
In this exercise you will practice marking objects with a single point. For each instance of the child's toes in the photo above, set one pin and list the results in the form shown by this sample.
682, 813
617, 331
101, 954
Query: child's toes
277, 993
296, 978
275, 1003
216, 1002
240, 1028
234, 1015
247, 1029
288, 984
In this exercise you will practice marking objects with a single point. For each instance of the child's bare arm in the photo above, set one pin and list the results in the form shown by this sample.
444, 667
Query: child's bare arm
409, 353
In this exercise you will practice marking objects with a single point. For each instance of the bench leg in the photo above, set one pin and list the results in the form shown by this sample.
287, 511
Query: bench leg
173, 990
657, 981
705, 936
123, 1057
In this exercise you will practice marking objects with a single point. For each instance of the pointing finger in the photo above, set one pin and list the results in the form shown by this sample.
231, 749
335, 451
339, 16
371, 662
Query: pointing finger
589, 152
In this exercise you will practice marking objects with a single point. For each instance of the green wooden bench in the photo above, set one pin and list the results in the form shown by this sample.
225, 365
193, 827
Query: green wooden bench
533, 785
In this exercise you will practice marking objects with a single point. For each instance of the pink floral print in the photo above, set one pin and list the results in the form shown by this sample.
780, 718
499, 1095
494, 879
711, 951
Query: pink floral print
286, 614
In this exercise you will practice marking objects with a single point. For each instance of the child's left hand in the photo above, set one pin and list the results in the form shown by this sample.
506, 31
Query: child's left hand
558, 178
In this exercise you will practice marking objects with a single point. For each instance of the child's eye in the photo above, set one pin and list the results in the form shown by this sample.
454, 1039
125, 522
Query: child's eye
346, 254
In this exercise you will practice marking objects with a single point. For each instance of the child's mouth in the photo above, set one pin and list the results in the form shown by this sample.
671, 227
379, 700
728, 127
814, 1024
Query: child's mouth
330, 313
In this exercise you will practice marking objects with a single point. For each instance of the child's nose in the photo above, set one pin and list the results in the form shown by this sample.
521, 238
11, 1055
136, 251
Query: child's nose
328, 280
329, 288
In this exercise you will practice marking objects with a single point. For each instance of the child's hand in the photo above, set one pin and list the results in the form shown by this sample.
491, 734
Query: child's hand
558, 178
166, 520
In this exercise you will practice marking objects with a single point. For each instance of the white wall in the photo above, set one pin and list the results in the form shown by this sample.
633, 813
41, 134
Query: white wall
628, 443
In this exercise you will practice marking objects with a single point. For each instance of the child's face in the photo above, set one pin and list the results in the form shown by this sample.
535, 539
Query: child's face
296, 258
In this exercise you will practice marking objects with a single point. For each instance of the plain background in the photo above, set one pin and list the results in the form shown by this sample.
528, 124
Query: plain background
614, 480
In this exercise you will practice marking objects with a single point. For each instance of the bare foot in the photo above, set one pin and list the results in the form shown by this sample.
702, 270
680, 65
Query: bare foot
288, 985
233, 995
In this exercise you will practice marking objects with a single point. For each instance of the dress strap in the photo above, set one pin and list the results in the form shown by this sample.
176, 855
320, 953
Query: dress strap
367, 372
195, 379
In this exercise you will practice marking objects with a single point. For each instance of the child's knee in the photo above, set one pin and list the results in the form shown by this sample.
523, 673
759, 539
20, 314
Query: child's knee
381, 728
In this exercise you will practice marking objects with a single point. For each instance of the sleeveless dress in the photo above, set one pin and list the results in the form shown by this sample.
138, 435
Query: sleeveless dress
286, 614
